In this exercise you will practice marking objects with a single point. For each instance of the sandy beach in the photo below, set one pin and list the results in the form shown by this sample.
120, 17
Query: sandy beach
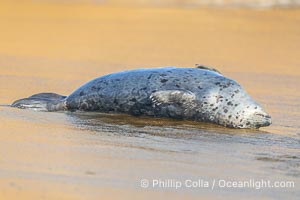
56, 47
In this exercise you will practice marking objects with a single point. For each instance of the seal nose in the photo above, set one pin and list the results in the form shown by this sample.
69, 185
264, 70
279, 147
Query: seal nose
266, 119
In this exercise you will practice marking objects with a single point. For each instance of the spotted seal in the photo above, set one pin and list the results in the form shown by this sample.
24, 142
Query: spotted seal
200, 94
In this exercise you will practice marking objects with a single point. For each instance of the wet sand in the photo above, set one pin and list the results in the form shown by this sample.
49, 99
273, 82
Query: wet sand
52, 47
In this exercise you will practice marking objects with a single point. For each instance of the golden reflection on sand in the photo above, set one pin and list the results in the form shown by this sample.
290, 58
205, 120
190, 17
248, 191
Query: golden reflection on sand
55, 47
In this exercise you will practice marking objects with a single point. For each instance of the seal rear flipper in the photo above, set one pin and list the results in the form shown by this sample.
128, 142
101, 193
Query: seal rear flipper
48, 95
42, 102
172, 97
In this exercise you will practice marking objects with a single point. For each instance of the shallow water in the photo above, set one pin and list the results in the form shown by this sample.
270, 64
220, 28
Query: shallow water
65, 155
214, 3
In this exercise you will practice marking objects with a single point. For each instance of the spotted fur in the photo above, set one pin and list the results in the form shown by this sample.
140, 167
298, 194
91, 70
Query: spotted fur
200, 94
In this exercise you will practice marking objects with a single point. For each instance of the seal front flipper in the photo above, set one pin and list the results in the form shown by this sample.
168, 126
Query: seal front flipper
199, 66
172, 97
177, 104
42, 102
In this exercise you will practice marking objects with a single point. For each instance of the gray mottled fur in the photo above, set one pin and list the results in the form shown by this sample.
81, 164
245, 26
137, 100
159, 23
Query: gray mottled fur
182, 93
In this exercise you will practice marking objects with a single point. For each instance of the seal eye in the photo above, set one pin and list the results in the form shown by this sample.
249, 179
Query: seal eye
262, 115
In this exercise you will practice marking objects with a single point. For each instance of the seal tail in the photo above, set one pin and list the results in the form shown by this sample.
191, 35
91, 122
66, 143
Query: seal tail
42, 102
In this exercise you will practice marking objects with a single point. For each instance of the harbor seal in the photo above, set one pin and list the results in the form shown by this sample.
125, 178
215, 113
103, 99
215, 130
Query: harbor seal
199, 94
